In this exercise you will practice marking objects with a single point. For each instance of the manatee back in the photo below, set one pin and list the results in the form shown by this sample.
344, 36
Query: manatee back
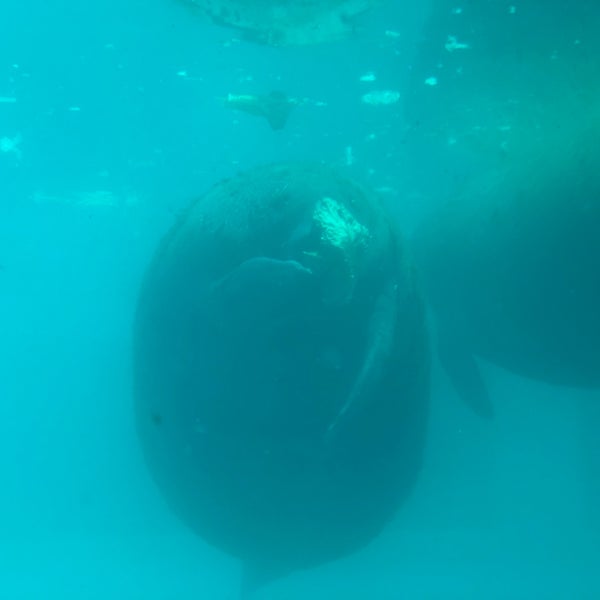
263, 279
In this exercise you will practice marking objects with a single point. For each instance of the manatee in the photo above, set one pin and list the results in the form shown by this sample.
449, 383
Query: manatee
511, 267
281, 369
507, 116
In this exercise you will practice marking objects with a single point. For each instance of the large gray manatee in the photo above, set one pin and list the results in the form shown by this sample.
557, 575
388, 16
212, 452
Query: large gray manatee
509, 130
281, 369
511, 267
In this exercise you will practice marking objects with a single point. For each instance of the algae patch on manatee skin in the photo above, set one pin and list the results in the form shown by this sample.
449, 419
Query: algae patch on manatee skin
342, 232
338, 226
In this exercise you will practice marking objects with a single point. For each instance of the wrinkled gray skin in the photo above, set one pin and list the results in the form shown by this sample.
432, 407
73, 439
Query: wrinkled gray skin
512, 270
280, 382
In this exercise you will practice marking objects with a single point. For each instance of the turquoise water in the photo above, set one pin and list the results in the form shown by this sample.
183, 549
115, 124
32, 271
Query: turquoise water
113, 119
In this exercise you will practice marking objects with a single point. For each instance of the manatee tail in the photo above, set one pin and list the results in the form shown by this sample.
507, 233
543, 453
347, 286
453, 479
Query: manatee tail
465, 375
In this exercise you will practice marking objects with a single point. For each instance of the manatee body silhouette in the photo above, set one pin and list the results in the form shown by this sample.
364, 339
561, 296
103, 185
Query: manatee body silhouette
512, 268
281, 369
510, 132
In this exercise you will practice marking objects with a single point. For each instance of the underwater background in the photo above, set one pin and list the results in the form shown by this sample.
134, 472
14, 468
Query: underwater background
111, 120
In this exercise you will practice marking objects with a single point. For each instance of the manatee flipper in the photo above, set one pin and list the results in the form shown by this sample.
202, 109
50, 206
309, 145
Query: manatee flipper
464, 373
263, 287
382, 330
257, 575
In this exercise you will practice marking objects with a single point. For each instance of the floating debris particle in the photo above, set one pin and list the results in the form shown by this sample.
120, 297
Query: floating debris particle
453, 44
381, 97
367, 77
